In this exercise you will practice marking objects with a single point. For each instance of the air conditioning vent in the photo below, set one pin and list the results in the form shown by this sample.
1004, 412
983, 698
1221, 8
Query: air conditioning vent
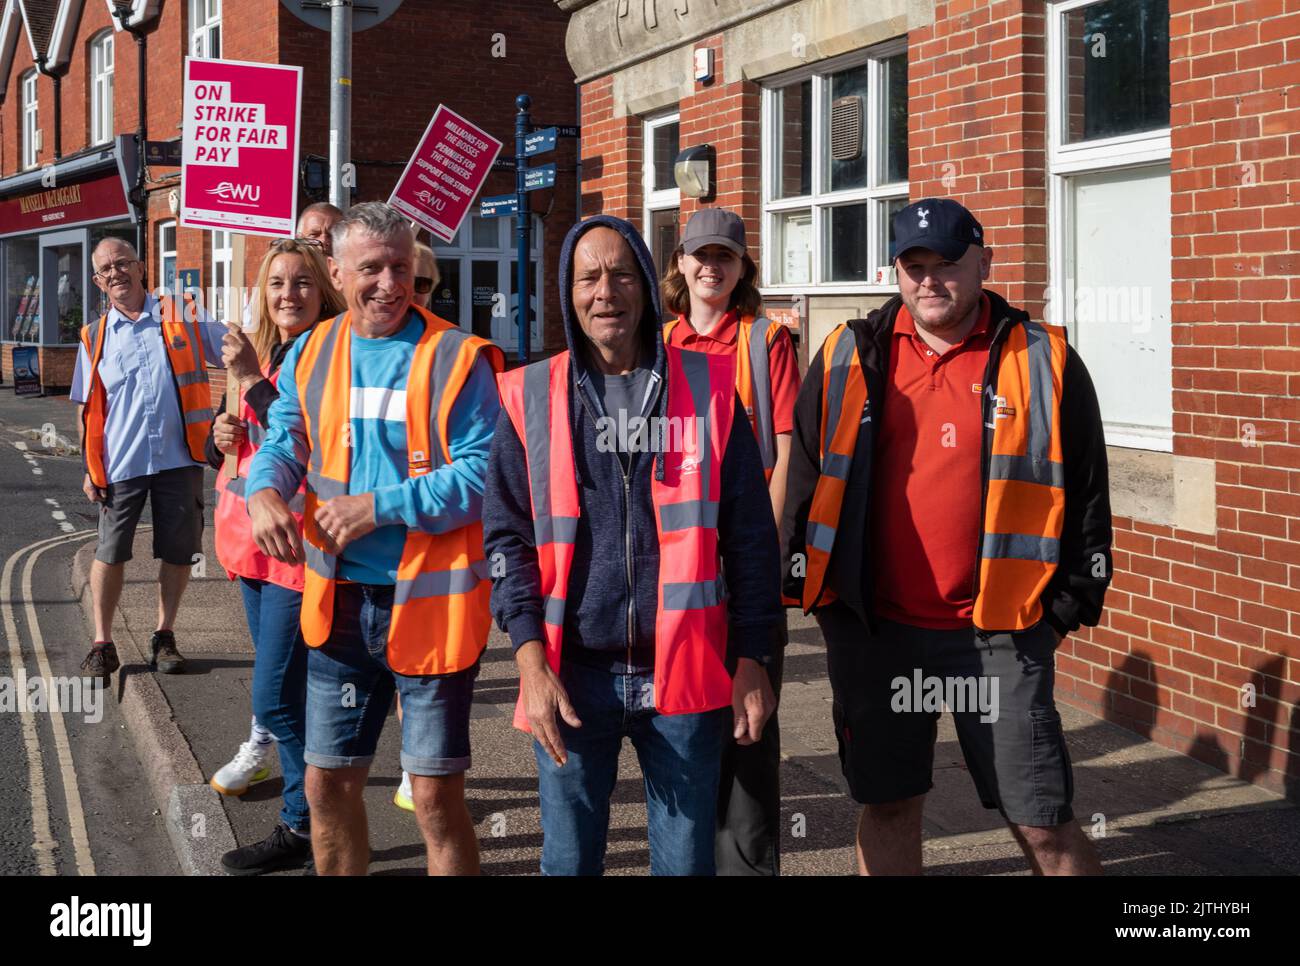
846, 128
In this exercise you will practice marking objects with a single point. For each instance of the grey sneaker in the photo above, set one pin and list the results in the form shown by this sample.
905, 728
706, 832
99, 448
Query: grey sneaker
102, 660
166, 659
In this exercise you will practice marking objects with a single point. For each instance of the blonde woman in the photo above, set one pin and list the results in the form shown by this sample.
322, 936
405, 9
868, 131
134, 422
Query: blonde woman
293, 293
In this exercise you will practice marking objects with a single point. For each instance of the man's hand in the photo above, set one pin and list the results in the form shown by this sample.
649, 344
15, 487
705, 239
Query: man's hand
543, 695
752, 701
275, 531
344, 519
239, 357
228, 433
93, 493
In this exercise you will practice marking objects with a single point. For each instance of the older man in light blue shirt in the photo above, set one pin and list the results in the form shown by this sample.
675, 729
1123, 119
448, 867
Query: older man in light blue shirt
145, 453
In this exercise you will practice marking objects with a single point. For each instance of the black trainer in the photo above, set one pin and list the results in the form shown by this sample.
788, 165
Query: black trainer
282, 849
166, 659
102, 660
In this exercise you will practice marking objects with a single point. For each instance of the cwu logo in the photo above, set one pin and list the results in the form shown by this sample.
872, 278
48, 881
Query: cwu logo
229, 191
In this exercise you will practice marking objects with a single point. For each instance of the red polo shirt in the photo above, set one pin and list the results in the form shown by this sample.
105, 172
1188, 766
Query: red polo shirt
925, 506
783, 368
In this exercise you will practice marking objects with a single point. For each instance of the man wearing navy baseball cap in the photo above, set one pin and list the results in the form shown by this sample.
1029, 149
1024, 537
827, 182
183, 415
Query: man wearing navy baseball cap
948, 524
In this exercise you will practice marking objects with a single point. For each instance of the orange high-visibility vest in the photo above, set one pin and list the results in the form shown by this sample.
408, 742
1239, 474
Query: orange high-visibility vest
1024, 509
189, 375
233, 530
754, 338
440, 617
691, 625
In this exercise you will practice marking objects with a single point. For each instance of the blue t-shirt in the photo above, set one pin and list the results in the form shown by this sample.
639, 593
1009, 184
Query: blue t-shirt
446, 499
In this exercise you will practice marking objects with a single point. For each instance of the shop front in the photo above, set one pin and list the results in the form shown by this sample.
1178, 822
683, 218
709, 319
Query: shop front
47, 290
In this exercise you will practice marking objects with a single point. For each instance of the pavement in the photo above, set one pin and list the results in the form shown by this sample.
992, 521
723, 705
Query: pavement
1151, 810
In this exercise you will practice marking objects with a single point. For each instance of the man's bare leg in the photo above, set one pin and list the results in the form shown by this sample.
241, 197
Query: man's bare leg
340, 837
889, 838
446, 824
172, 581
1058, 849
105, 592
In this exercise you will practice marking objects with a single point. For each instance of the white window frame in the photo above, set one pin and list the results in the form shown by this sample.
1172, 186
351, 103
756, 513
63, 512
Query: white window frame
819, 202
463, 252
165, 253
101, 87
1140, 150
223, 255
31, 119
664, 198
205, 28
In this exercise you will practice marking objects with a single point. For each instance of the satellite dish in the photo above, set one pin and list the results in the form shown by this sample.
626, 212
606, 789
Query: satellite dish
365, 13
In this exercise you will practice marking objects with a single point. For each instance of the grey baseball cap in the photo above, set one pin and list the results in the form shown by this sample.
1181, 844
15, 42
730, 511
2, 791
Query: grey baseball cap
714, 226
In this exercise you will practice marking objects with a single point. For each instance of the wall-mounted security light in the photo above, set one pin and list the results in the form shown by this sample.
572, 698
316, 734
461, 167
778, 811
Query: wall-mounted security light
694, 171
703, 64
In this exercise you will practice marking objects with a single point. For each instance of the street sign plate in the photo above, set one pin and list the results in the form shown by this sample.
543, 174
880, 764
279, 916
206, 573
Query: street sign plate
365, 13
504, 164
569, 130
499, 206
540, 177
539, 142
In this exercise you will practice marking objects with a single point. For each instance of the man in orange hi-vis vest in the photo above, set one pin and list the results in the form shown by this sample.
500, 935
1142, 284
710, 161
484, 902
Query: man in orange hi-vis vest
141, 386
386, 412
624, 485
948, 523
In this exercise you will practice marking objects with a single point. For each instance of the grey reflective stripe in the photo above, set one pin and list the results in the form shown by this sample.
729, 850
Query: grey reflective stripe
196, 346
184, 379
820, 537
695, 595
760, 379
256, 434
443, 361
836, 465
841, 359
438, 583
238, 485
1020, 546
198, 416
553, 612
555, 530
696, 367
1026, 470
299, 502
318, 561
325, 487
1040, 392
93, 335
692, 513
314, 393
537, 441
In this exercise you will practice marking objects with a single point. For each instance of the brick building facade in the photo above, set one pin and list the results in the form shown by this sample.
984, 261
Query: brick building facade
1134, 164
402, 69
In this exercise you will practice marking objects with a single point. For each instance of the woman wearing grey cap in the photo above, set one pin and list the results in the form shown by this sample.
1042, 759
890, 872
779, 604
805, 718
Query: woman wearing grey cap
709, 286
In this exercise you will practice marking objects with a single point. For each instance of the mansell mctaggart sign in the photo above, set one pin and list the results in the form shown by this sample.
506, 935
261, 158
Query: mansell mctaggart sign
64, 206
239, 160
448, 168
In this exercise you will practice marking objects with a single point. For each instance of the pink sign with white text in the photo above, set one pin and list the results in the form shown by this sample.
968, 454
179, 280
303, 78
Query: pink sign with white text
445, 173
239, 142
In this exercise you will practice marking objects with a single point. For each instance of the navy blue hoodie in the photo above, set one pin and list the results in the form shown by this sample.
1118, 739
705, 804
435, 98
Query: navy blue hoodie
613, 595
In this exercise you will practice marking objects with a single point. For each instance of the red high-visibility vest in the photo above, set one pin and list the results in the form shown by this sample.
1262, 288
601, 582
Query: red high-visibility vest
754, 338
184, 345
691, 625
233, 530
440, 618
1024, 510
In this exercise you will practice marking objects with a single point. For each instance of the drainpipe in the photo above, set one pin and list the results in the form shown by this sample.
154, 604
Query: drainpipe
57, 77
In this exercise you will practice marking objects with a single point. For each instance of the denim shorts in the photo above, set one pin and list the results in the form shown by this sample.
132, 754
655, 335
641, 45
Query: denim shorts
176, 496
350, 690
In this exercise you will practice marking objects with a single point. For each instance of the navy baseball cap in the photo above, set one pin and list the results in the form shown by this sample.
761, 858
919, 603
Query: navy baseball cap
939, 224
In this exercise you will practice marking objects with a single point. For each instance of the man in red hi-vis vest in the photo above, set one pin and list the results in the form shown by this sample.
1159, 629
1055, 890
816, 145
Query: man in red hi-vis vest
625, 518
949, 523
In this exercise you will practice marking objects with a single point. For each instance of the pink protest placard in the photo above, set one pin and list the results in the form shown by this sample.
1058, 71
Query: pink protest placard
445, 173
239, 160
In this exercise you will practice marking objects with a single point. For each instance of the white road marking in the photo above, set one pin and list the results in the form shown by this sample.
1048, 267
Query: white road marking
19, 444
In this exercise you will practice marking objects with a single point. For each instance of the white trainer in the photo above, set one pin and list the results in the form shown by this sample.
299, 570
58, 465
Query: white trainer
402, 799
248, 767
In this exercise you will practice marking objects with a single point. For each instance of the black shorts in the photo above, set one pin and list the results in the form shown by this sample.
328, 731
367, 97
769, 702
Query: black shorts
176, 499
889, 689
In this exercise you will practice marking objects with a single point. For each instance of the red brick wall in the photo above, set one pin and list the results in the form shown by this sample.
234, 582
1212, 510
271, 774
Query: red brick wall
612, 156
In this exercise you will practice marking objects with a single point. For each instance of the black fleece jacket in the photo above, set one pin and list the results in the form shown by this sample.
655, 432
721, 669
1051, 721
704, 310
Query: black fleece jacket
1078, 588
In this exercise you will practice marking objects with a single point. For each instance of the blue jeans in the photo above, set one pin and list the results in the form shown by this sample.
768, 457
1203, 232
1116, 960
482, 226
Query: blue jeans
353, 662
280, 684
680, 757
